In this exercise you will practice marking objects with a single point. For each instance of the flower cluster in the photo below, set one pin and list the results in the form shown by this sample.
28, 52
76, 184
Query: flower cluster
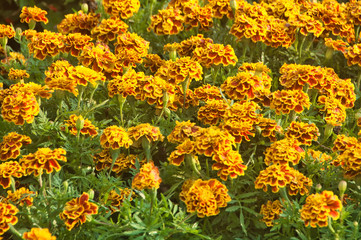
115, 137
75, 122
319, 207
303, 132
43, 159
147, 178
7, 216
271, 211
76, 211
38, 233
204, 197
11, 144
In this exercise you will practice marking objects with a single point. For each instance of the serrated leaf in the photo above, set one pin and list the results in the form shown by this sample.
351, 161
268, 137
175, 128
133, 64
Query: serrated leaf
232, 208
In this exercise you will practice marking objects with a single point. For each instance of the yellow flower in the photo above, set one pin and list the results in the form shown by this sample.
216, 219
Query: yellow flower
17, 74
269, 128
153, 62
108, 29
145, 130
187, 46
6, 31
74, 43
215, 54
205, 197
33, 13
303, 132
221, 8
22, 196
276, 176
228, 163
213, 112
285, 101
43, 159
116, 197
198, 16
78, 22
125, 85
125, 9
8, 170
350, 160
115, 137
335, 111
283, 152
147, 178
299, 183
183, 131
177, 156
46, 43
207, 92
7, 216
38, 234
76, 211
11, 144
82, 75
88, 127
271, 211
167, 22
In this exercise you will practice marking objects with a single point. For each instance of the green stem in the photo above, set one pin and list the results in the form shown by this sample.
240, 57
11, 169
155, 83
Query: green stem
146, 147
121, 100
185, 84
49, 179
115, 154
15, 232
153, 199
12, 182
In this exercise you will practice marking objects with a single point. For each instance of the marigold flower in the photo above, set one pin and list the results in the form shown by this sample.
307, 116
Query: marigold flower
212, 112
33, 13
115, 137
125, 9
319, 207
221, 8
304, 133
338, 45
76, 211
285, 101
205, 197
198, 16
306, 24
108, 29
43, 159
335, 111
207, 92
6, 31
269, 128
215, 54
123, 163
130, 49
167, 22
36, 89
276, 176
299, 183
353, 9
11, 144
22, 196
153, 62
343, 142
350, 160
78, 22
319, 156
183, 131
74, 43
279, 33
20, 107
117, 197
284, 151
38, 233
147, 178
176, 99
344, 91
82, 75
228, 163
17, 74
8, 170
88, 127
46, 43
271, 211
125, 85
187, 46
177, 156
7, 216
146, 130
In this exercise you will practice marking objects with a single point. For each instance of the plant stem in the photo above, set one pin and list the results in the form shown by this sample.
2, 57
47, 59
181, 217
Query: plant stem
121, 100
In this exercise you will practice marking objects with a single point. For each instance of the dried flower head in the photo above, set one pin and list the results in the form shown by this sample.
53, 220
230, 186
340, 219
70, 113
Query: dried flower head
271, 211
33, 13
167, 22
11, 144
147, 178
38, 234
76, 211
10, 170
43, 159
7, 216
115, 137
283, 152
205, 197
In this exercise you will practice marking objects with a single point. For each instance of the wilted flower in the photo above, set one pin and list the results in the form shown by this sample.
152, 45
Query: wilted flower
108, 29
147, 178
22, 196
303, 132
283, 152
87, 128
78, 22
115, 137
76, 211
125, 9
271, 211
11, 144
205, 197
38, 234
7, 216
33, 13
43, 159
167, 22
319, 207
10, 170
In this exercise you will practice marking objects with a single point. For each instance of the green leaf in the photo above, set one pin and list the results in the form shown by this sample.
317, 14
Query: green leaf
232, 208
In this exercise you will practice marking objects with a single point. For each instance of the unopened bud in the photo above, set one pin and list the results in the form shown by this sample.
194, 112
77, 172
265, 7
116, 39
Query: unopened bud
79, 123
32, 24
173, 55
91, 194
18, 33
318, 187
233, 5
66, 185
342, 186
355, 224
85, 8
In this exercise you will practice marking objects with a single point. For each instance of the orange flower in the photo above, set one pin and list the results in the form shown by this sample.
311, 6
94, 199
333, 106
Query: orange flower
167, 22
153, 62
353, 9
344, 91
147, 178
87, 128
269, 128
108, 29
221, 8
6, 31
43, 158
338, 45
177, 99
207, 92
198, 16
319, 207
82, 75
7, 216
36, 89
8, 170
125, 85
303, 132
228, 163
33, 13
38, 234
117, 197
306, 24
319, 156
20, 107
76, 211
350, 160
283, 152
125, 9
151, 133
177, 156
78, 22
212, 112
22, 196
343, 142
130, 48
205, 197
183, 131
74, 43
17, 74
46, 43
271, 211
187, 46
115, 137
123, 163
335, 111
285, 101
11, 144
276, 176
215, 54
299, 183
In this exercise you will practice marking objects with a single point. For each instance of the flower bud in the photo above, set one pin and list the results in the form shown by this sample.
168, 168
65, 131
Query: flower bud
173, 54
355, 224
32, 24
79, 123
18, 33
233, 5
66, 185
342, 186
85, 8
91, 194
318, 187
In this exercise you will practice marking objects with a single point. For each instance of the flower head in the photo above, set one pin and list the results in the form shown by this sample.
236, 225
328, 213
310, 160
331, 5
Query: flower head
198, 16
177, 156
17, 74
146, 130
74, 43
108, 29
115, 137
116, 197
22, 196
276, 176
8, 170
11, 144
187, 46
283, 152
269, 128
285, 101
38, 234
303, 132
125, 9
350, 160
87, 129
78, 22
183, 131
125, 85
82, 75
335, 112
212, 112
43, 159
205, 197
7, 216
153, 62
271, 211
33, 13
215, 54
147, 178
76, 211
221, 8
207, 92
130, 49
46, 43
6, 31
228, 163
319, 207
167, 22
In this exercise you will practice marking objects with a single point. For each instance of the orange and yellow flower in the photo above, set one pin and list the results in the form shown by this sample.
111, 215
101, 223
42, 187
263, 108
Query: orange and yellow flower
228, 164
46, 43
17, 74
125, 85
115, 137
125, 9
38, 234
87, 129
151, 133
33, 13
183, 131
283, 152
269, 128
9, 170
271, 211
11, 144
147, 178
275, 176
78, 22
285, 101
215, 54
116, 197
22, 196
303, 132
167, 22
212, 112
7, 216
108, 29
6, 31
74, 43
